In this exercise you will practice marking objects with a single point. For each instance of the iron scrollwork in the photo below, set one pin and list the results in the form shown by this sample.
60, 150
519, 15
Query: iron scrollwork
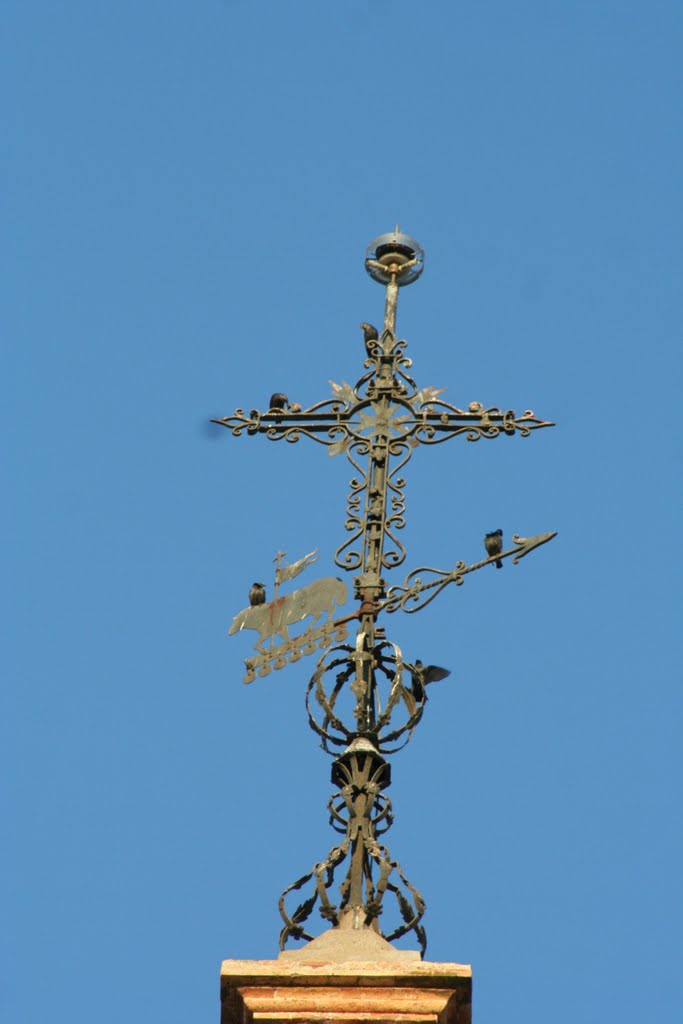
363, 700
383, 418
360, 810
415, 583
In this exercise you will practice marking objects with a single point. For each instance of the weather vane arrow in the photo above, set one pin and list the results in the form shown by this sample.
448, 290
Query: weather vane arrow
414, 584
377, 423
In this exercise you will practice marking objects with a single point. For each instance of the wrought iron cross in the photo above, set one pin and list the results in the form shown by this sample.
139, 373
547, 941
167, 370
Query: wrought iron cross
382, 419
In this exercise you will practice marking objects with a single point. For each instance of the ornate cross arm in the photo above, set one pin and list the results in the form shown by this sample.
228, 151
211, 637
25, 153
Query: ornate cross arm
325, 418
440, 421
410, 419
414, 584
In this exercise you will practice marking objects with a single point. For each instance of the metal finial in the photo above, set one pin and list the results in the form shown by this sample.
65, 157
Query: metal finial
380, 421
394, 257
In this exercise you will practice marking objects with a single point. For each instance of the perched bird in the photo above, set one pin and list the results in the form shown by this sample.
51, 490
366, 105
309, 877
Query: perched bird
493, 542
421, 675
278, 402
369, 334
257, 594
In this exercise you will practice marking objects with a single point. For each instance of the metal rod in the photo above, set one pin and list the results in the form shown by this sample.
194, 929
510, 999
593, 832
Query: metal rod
390, 305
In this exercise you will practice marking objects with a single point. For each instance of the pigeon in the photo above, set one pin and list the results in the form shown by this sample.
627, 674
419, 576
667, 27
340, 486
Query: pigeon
493, 542
257, 594
369, 335
421, 675
278, 402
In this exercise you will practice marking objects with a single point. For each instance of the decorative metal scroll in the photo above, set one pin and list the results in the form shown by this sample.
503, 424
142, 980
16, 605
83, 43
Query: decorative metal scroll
383, 418
334, 423
414, 585
361, 812
386, 692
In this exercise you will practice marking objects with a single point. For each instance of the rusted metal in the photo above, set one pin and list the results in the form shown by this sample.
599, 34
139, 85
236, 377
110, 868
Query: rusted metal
363, 697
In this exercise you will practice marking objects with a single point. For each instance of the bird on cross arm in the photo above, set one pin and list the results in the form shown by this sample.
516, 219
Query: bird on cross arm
493, 542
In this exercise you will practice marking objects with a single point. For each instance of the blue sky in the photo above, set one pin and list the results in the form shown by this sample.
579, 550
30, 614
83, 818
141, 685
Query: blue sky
188, 191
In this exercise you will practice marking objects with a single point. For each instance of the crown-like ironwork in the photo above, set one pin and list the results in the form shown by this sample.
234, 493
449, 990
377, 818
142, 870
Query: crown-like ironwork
364, 700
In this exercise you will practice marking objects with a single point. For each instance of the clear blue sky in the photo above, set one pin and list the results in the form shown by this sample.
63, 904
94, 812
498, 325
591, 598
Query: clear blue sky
188, 190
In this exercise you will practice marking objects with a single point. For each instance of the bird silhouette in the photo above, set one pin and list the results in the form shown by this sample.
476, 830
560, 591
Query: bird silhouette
257, 594
493, 542
369, 335
278, 402
421, 675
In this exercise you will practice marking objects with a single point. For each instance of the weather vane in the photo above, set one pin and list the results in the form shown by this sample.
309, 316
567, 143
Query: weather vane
363, 697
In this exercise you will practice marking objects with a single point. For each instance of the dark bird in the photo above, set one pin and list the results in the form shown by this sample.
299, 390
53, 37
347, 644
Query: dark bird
257, 594
421, 675
278, 402
493, 542
369, 334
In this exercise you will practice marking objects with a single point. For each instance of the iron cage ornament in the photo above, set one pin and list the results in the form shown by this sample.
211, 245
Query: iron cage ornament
377, 423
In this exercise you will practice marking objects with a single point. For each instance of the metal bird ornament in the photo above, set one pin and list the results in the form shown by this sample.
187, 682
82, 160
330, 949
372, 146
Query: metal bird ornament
257, 594
493, 542
421, 675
